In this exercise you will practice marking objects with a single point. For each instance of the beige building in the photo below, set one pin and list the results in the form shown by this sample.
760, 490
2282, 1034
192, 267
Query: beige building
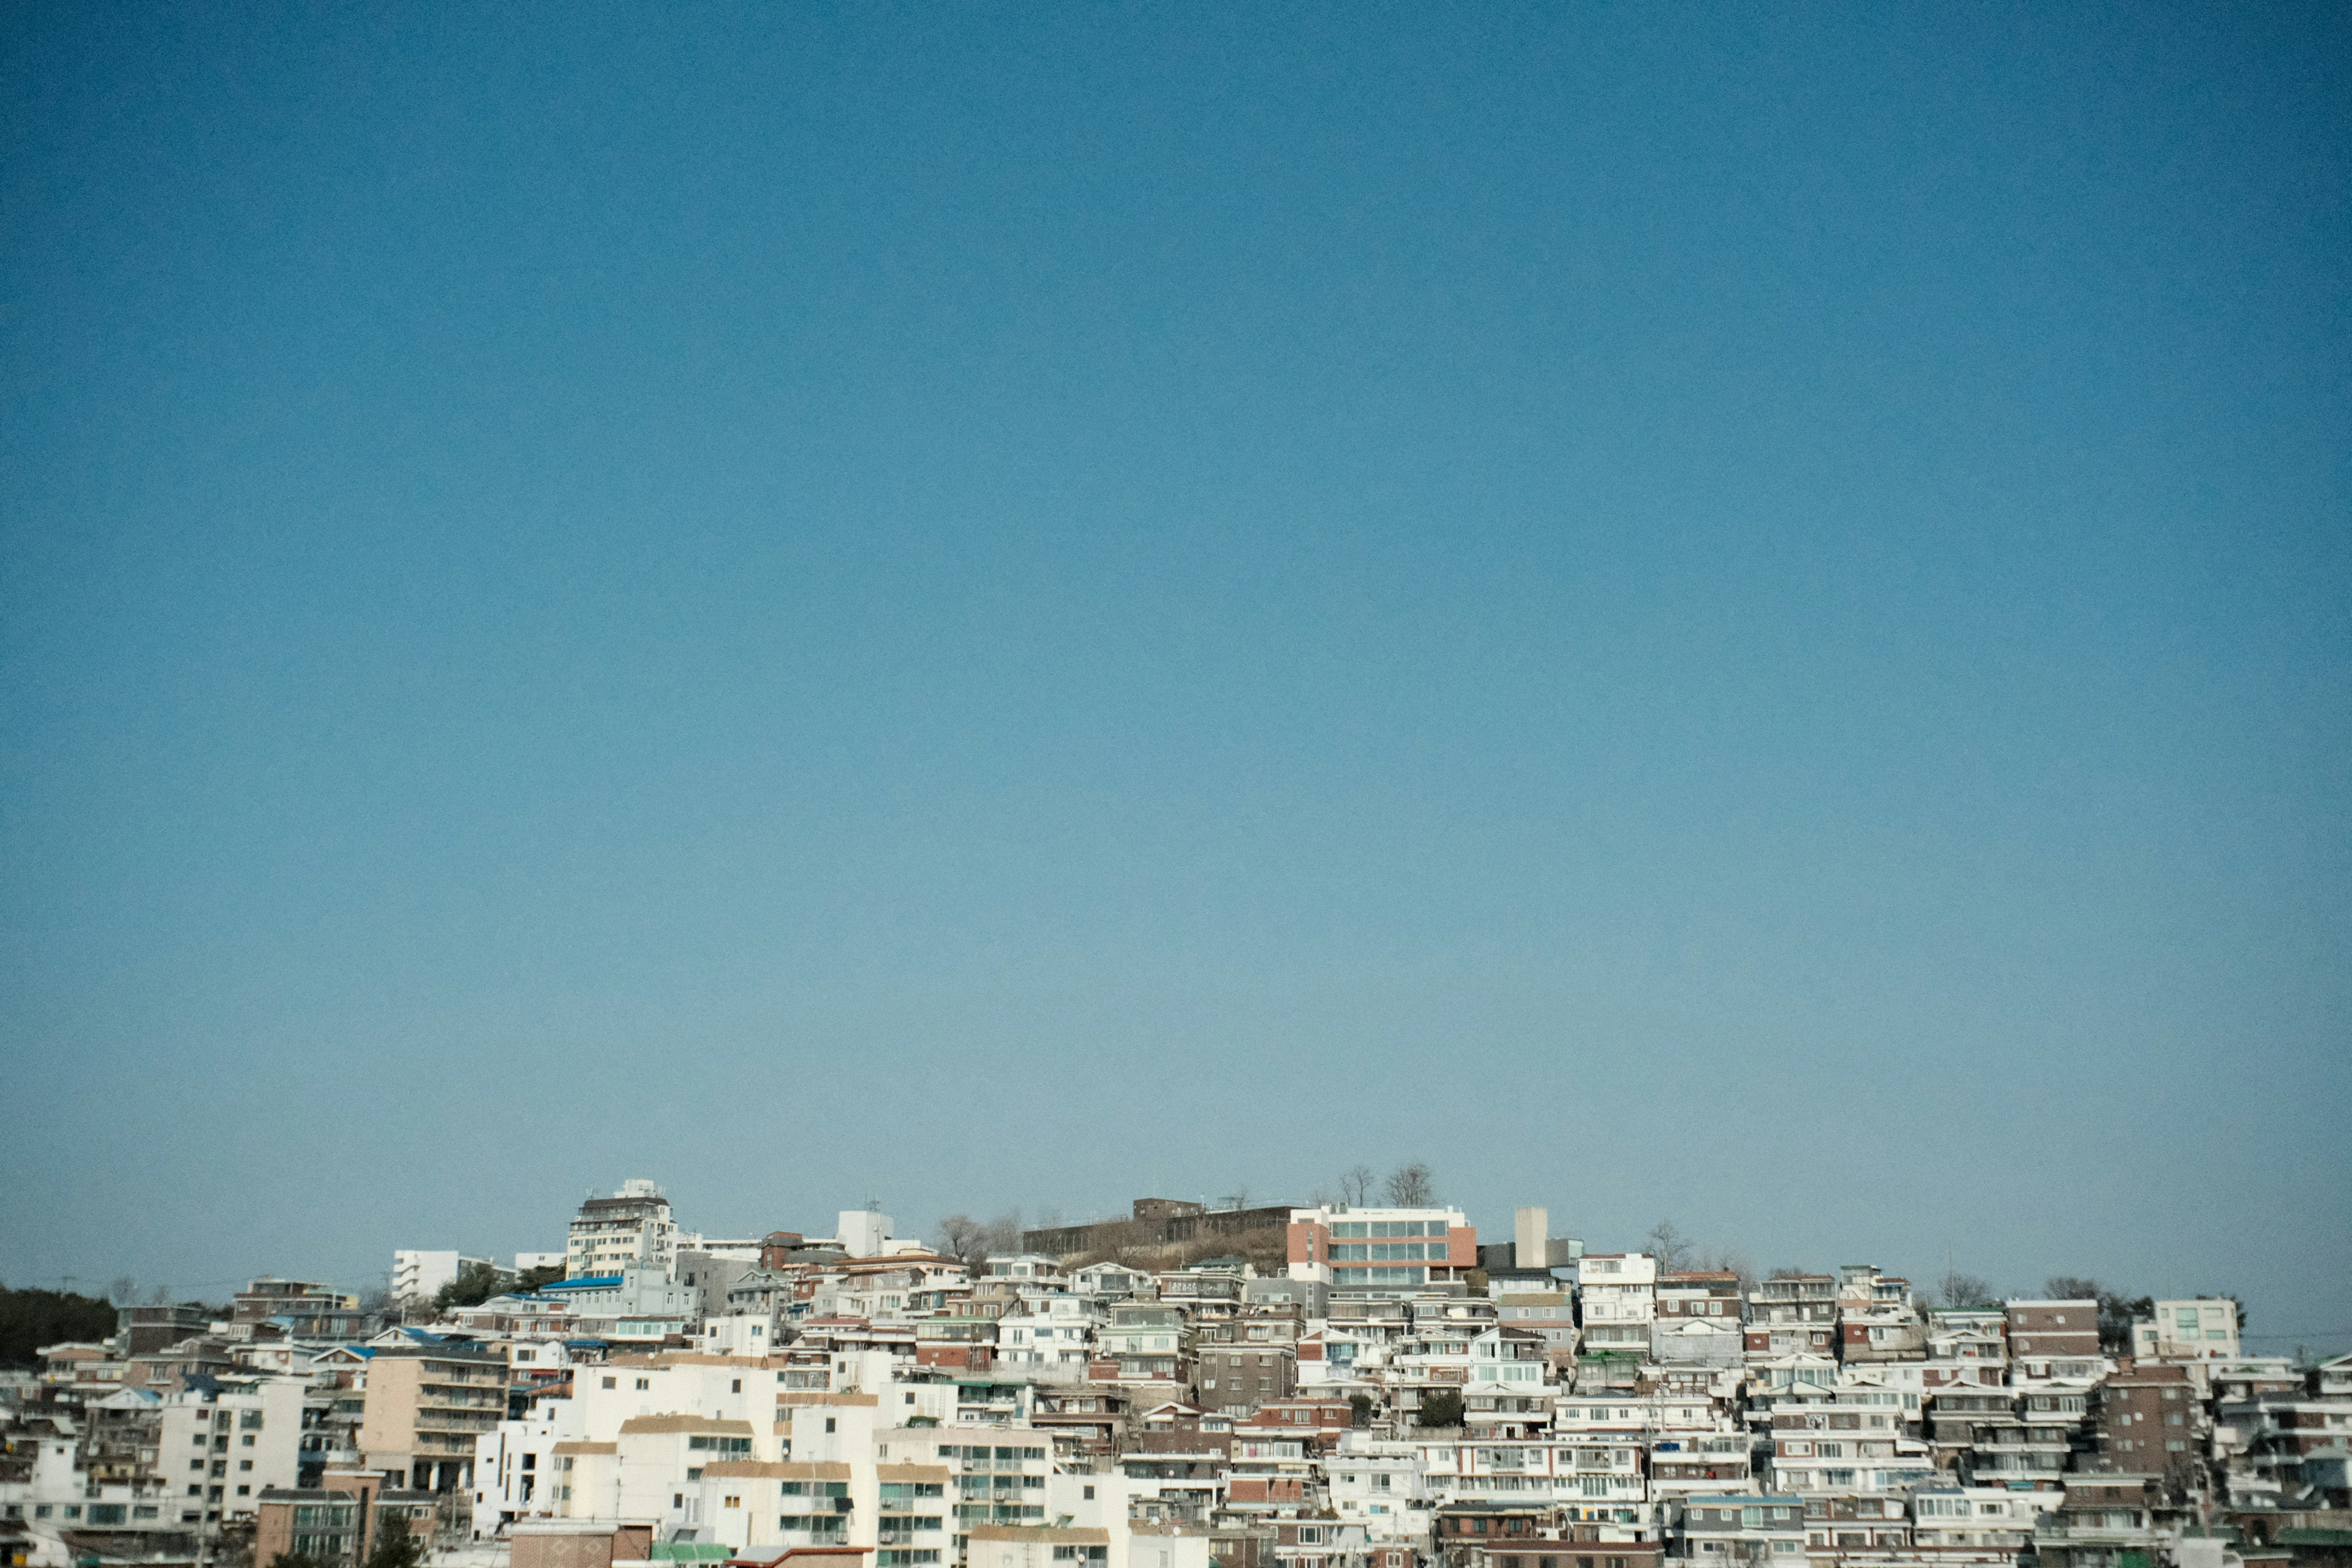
425, 1407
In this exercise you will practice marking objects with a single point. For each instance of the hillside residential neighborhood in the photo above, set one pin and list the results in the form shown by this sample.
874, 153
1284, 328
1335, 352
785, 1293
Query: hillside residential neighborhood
1340, 1385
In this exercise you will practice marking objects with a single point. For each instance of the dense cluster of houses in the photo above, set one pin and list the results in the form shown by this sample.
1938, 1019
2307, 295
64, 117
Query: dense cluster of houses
1334, 1386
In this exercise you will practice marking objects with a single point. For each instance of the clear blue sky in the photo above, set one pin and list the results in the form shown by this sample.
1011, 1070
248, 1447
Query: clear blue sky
1742, 614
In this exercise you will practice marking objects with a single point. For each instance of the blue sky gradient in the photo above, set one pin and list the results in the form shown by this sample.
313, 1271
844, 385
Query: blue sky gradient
1742, 614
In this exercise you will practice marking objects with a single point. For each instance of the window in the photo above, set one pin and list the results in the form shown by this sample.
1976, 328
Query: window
612, 1382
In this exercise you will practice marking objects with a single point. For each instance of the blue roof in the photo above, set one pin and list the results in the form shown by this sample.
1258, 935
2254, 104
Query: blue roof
585, 1283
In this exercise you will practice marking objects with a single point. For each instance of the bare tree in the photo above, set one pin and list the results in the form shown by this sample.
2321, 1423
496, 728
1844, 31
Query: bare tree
123, 1291
1356, 1185
1002, 1234
160, 1297
1237, 1199
1670, 1247
1788, 1271
961, 1238
2071, 1288
1413, 1186
1960, 1292
1725, 1260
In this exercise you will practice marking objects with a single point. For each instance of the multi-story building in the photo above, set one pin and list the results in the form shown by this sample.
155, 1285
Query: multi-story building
1550, 1315
1877, 1319
143, 1331
2276, 1445
516, 1466
2105, 1521
2054, 1341
1381, 1250
302, 1310
1236, 1377
1617, 1296
2201, 1329
637, 1304
1258, 1344
1147, 1342
1698, 1320
631, 1227
1967, 1345
426, 1404
2033, 1443
2147, 1420
1378, 1483
1981, 1520
228, 1444
338, 1521
1793, 1314
1048, 1335
417, 1277
1852, 1442
1752, 1528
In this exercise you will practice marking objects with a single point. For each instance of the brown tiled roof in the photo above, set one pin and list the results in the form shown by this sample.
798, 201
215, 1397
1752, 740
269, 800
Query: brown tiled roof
686, 1424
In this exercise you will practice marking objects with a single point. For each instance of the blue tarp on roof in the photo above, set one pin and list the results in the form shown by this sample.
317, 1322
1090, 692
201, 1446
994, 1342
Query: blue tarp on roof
586, 1282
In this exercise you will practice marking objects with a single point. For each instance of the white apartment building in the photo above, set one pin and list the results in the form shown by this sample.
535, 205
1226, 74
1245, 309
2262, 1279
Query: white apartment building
224, 1448
516, 1466
417, 1277
1619, 1294
2201, 1330
1050, 1337
1378, 1483
631, 1227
